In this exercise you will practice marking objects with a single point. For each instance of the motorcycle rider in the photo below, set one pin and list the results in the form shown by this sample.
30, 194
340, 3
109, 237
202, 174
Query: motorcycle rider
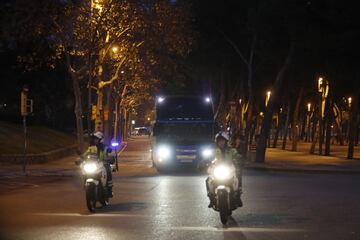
98, 147
226, 153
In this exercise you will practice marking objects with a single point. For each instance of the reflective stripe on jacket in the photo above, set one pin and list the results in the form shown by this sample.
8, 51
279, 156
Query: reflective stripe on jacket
230, 154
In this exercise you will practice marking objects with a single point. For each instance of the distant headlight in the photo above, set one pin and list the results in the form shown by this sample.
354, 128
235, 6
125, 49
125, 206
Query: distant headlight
222, 172
208, 152
163, 152
90, 167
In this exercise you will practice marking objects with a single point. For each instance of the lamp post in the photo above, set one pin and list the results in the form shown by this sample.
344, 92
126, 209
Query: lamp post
132, 126
308, 122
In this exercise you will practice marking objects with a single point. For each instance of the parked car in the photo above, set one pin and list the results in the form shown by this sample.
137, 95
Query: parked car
143, 131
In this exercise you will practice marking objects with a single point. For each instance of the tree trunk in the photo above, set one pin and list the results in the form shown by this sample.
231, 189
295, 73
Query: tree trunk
287, 122
99, 110
315, 136
295, 124
353, 126
221, 104
249, 111
329, 121
261, 146
78, 104
321, 127
277, 130
107, 115
89, 104
78, 112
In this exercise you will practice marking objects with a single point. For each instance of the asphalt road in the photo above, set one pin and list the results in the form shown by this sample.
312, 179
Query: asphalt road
276, 206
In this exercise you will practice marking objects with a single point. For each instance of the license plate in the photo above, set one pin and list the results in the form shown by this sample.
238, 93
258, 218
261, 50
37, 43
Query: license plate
186, 158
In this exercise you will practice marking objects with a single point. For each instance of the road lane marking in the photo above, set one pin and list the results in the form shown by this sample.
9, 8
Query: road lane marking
88, 215
238, 229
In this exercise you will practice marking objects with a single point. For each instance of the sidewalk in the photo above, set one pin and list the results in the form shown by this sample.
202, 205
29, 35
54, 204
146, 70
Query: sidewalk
284, 160
133, 158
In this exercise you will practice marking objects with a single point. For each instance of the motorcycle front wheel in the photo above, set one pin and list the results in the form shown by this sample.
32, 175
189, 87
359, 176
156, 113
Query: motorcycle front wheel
90, 197
223, 206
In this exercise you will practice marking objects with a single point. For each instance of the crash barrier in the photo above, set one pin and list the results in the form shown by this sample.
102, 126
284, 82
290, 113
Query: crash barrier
39, 157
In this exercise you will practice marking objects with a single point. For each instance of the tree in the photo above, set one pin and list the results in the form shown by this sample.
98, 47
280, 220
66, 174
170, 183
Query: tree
85, 35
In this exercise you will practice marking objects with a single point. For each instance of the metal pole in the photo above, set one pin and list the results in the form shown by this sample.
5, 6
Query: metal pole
25, 144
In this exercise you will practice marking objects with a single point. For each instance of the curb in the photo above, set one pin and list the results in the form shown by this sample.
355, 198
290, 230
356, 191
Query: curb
302, 170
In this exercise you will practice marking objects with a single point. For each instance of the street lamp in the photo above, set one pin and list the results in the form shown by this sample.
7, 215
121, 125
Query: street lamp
148, 119
268, 94
320, 83
349, 101
97, 4
308, 122
115, 49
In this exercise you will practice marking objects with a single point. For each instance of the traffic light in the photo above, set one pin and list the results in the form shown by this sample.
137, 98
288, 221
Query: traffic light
29, 106
24, 103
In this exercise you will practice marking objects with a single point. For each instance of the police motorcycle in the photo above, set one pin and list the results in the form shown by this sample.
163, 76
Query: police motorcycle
94, 177
224, 183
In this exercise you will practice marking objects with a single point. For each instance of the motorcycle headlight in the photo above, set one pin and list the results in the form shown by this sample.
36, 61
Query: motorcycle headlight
222, 172
90, 167
207, 152
163, 152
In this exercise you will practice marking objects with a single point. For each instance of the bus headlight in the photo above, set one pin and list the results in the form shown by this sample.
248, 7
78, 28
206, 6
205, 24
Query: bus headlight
163, 152
207, 152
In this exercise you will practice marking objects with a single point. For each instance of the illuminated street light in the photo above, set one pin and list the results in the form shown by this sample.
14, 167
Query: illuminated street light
115, 49
207, 99
268, 94
97, 4
148, 119
133, 122
309, 107
240, 100
320, 83
349, 101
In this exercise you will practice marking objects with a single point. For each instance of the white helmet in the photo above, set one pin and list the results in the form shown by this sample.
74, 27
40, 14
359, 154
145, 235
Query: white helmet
100, 136
223, 135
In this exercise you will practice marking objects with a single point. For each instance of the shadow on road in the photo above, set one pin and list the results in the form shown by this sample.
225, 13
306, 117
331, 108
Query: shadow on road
122, 207
233, 224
